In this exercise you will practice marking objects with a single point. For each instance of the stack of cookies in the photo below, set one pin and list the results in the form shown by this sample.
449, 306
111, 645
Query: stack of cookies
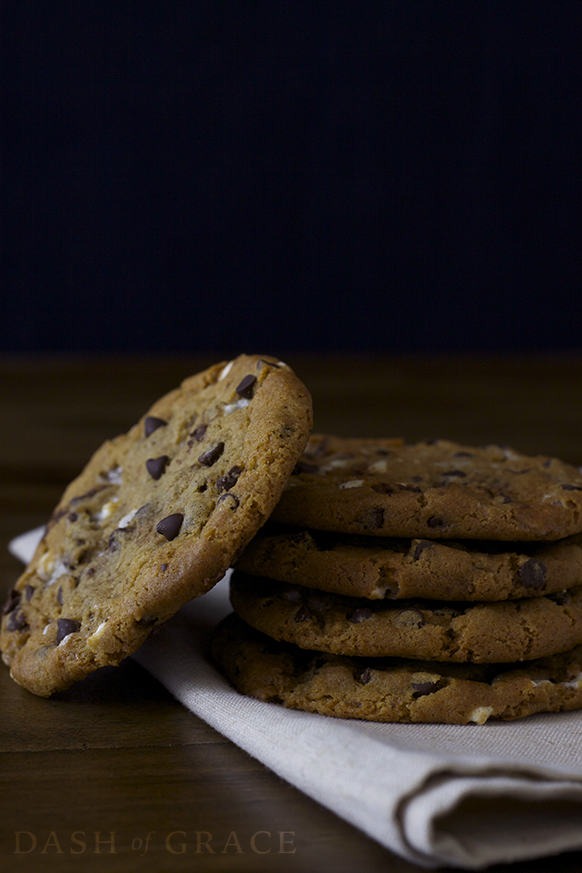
413, 583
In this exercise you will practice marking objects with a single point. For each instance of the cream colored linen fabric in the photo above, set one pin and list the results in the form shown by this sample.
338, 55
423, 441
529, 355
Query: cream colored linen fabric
438, 795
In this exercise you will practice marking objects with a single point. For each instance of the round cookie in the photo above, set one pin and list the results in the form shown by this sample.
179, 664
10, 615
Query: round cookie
393, 690
155, 519
377, 568
481, 633
435, 489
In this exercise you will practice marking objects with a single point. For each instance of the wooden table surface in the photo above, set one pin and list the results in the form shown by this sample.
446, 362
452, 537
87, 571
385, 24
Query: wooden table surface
97, 777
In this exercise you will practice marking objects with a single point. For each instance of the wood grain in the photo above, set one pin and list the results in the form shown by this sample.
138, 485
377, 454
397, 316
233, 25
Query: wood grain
117, 753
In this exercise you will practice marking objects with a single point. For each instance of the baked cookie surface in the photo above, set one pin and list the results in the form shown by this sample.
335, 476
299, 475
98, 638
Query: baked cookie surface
502, 632
393, 690
435, 489
154, 520
378, 567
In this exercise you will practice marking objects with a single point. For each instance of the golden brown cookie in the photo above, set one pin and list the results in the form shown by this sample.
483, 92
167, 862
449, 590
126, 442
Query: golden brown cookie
393, 690
481, 633
435, 489
155, 519
377, 567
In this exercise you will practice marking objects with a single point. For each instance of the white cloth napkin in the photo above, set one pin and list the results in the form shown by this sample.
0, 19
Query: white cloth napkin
438, 795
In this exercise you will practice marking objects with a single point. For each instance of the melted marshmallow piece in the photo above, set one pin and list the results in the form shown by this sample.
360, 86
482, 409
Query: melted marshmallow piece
114, 476
96, 635
127, 518
239, 404
107, 509
225, 371
59, 569
480, 714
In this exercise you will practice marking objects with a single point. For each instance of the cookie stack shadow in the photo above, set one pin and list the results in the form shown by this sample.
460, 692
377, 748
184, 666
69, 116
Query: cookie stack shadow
426, 583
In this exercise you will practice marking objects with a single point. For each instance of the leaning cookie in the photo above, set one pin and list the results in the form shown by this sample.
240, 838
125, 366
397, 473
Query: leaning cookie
377, 567
435, 489
393, 690
154, 520
481, 633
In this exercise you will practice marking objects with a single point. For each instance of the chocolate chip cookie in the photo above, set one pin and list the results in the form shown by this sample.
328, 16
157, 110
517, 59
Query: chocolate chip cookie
155, 519
393, 690
481, 633
434, 489
379, 567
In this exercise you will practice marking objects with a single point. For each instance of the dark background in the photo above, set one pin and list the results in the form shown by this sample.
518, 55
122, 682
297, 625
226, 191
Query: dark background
290, 176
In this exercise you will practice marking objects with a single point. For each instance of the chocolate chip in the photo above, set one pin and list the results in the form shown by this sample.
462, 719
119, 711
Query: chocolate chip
143, 509
148, 621
60, 595
163, 567
302, 537
29, 591
17, 621
421, 547
66, 626
246, 386
234, 501
169, 527
377, 515
423, 688
359, 615
533, 573
156, 466
364, 677
371, 519
212, 455
304, 467
81, 497
383, 488
451, 611
560, 597
302, 614
73, 516
12, 601
453, 473
152, 423
434, 521
572, 487
199, 433
229, 480
263, 363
